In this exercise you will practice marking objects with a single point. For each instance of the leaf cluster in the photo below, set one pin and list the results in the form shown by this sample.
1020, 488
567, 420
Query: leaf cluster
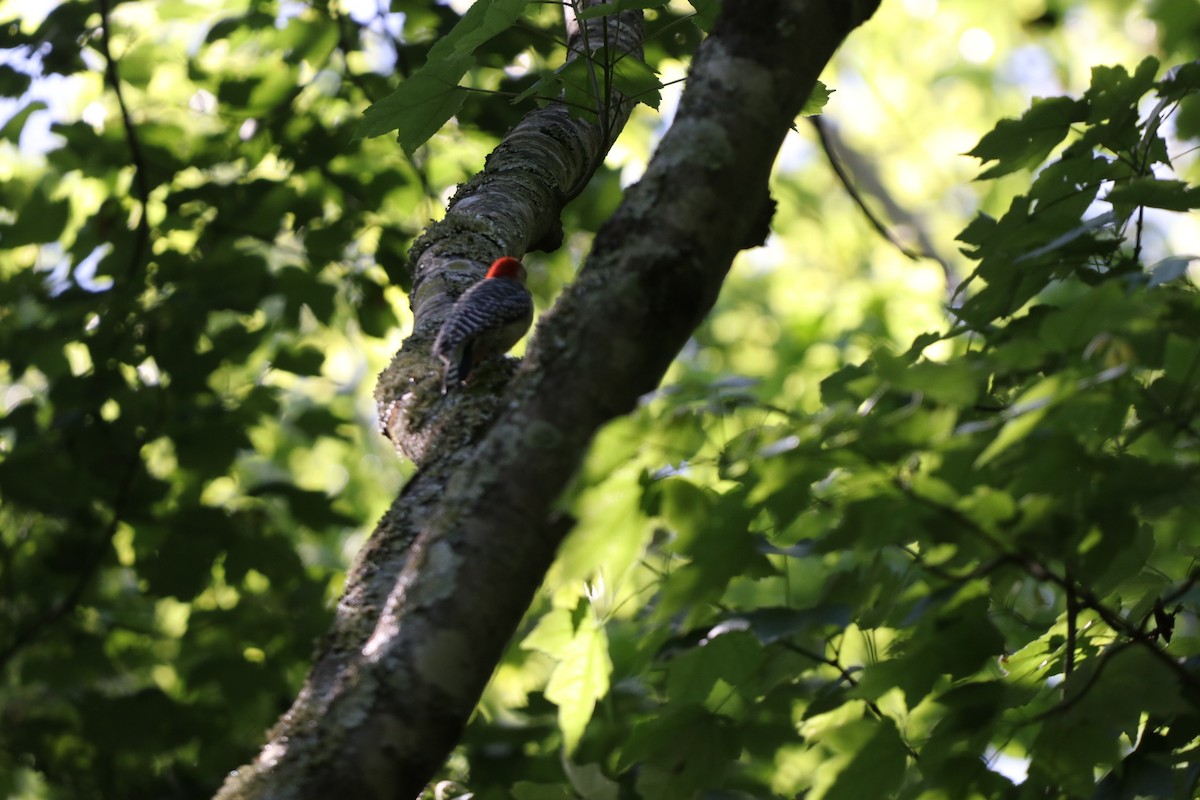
979, 551
193, 284
589, 85
977, 559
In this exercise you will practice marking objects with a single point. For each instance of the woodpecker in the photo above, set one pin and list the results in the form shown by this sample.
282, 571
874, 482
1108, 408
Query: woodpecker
487, 320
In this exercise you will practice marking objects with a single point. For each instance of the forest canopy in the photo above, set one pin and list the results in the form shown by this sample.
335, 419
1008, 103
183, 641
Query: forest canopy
912, 513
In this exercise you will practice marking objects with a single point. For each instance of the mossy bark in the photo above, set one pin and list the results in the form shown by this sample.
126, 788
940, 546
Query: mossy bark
435, 595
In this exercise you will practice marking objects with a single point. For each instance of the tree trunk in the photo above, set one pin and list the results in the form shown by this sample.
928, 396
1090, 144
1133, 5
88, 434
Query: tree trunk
435, 595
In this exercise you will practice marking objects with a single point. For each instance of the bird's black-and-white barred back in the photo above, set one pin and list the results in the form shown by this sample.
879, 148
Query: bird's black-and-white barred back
486, 321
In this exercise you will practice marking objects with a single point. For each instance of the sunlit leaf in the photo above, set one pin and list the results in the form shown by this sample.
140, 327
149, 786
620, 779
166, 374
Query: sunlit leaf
816, 101
579, 680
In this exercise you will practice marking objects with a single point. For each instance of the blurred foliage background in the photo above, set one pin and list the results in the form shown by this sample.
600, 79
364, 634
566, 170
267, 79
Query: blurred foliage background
821, 559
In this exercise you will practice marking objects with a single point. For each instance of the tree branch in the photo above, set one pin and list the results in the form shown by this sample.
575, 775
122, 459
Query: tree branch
437, 592
510, 207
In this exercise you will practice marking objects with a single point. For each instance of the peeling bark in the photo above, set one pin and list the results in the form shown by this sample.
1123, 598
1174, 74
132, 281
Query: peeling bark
435, 595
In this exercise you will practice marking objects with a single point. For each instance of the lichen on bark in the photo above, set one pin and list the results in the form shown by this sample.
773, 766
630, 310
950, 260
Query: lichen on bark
462, 550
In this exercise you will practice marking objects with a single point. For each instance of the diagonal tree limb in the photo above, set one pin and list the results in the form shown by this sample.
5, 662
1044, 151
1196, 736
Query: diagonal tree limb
437, 592
510, 207
363, 726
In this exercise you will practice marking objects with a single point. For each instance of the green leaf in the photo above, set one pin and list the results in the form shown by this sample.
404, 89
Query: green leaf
685, 506
271, 91
876, 768
713, 533
988, 507
579, 680
229, 26
39, 220
553, 632
1180, 81
11, 132
302, 288
877, 520
957, 639
182, 563
304, 360
706, 13
314, 509
784, 480
427, 99
309, 40
1169, 269
1026, 414
590, 782
816, 101
970, 711
317, 421
1105, 698
731, 657
547, 86
955, 383
1108, 307
143, 719
770, 625
13, 82
1156, 193
636, 80
680, 751
1114, 93
1024, 143
611, 533
575, 83
417, 110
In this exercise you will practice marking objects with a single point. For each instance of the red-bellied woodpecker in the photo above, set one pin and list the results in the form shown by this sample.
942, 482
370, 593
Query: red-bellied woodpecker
487, 320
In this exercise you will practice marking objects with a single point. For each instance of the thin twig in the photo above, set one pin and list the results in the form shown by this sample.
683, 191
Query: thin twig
835, 162
1037, 569
849, 678
141, 184
1067, 702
